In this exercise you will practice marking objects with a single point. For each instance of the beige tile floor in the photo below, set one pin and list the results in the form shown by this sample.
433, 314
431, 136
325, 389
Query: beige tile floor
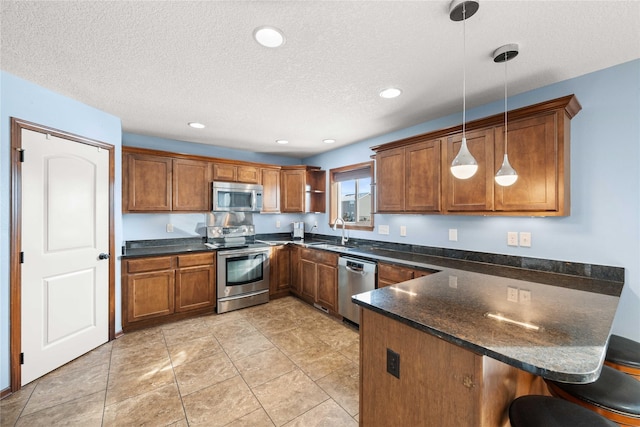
283, 363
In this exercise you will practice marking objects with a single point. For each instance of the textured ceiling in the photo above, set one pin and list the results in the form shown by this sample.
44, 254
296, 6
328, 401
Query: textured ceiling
160, 64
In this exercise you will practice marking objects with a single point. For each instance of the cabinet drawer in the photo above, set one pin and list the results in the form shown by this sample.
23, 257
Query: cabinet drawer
319, 256
149, 264
195, 259
394, 273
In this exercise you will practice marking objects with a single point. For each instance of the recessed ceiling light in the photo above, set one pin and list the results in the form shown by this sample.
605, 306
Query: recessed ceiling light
390, 92
196, 125
282, 141
328, 141
268, 36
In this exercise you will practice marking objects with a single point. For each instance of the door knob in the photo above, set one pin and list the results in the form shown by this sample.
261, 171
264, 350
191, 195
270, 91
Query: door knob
103, 256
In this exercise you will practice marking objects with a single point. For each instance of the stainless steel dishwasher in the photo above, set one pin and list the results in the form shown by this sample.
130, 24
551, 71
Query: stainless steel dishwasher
354, 276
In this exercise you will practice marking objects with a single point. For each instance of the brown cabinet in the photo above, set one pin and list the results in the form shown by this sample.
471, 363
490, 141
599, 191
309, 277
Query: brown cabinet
390, 274
236, 173
538, 147
475, 193
408, 178
280, 271
165, 288
153, 183
303, 189
319, 278
270, 179
294, 271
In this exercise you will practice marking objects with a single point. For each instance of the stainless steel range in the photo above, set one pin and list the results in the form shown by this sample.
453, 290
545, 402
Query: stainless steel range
242, 264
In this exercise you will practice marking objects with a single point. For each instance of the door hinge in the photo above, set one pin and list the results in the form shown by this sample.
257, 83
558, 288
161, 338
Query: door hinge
22, 358
21, 151
21, 257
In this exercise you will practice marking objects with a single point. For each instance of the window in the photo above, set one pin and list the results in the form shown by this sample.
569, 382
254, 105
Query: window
351, 195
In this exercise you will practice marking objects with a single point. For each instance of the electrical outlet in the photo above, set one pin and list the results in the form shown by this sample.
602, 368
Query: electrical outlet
525, 239
512, 294
277, 224
453, 234
525, 296
383, 229
393, 363
169, 228
403, 230
512, 238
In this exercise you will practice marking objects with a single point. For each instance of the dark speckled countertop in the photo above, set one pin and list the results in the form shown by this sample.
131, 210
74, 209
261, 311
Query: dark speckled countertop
560, 334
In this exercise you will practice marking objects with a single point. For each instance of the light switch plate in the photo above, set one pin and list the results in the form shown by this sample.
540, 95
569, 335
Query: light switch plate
403, 230
453, 234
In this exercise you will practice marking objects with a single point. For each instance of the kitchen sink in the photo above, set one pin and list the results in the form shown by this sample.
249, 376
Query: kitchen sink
330, 247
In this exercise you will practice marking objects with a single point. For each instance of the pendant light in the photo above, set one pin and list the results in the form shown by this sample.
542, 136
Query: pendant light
506, 175
464, 165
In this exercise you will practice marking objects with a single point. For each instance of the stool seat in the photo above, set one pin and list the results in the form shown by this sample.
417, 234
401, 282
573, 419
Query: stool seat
614, 394
624, 355
546, 411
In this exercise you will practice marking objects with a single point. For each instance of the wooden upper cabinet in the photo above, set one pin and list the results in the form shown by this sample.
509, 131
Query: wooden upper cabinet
147, 183
270, 179
408, 178
475, 193
539, 166
303, 189
191, 185
538, 148
236, 173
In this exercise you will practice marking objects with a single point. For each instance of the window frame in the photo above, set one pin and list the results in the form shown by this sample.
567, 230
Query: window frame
333, 194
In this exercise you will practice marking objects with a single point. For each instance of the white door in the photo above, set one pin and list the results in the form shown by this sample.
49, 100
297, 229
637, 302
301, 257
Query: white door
65, 228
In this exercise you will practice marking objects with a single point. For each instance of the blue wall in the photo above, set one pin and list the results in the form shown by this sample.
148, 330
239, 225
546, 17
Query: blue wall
24, 100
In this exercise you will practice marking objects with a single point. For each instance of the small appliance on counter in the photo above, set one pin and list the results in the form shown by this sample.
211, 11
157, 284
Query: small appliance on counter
298, 230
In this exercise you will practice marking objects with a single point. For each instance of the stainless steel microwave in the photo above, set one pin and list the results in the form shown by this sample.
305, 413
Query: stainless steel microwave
236, 197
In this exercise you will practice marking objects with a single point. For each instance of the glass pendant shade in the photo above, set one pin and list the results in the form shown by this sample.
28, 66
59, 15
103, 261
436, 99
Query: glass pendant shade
464, 166
506, 175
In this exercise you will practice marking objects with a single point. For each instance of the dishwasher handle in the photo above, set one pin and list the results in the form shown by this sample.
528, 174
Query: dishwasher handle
357, 270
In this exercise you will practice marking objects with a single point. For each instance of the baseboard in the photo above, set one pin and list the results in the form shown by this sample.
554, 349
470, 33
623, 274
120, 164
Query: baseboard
4, 393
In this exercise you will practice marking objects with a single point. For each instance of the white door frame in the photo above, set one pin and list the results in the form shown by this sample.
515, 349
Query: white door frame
15, 233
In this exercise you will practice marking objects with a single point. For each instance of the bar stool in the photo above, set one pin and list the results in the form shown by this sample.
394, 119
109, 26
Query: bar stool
615, 395
546, 411
623, 354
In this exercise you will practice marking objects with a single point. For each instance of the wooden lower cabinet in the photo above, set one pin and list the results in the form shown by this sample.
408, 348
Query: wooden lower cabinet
294, 270
390, 274
279, 273
319, 278
439, 384
162, 289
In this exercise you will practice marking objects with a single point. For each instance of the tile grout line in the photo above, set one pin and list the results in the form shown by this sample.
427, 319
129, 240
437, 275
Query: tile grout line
175, 378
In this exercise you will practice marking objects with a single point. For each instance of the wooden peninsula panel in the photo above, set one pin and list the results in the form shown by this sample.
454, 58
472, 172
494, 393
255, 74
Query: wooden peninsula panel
439, 383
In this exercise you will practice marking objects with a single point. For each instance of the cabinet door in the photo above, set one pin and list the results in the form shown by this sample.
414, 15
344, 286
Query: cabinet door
293, 190
191, 188
390, 180
224, 172
388, 274
279, 270
270, 190
248, 174
294, 271
195, 288
475, 193
150, 295
148, 181
327, 287
534, 154
308, 277
422, 161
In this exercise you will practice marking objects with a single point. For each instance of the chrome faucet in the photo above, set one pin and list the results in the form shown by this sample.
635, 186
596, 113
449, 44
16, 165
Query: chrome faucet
335, 226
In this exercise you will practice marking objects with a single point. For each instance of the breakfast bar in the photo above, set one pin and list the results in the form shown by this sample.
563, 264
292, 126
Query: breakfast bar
456, 347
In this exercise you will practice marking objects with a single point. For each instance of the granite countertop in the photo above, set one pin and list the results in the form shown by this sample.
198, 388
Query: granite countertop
560, 334
143, 248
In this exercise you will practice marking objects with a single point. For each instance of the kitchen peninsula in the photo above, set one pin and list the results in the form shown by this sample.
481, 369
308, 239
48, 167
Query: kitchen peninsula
456, 347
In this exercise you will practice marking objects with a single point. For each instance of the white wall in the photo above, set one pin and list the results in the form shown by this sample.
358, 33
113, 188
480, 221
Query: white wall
27, 101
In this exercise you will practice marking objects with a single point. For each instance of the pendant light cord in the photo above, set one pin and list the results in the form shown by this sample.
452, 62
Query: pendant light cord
505, 102
464, 68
